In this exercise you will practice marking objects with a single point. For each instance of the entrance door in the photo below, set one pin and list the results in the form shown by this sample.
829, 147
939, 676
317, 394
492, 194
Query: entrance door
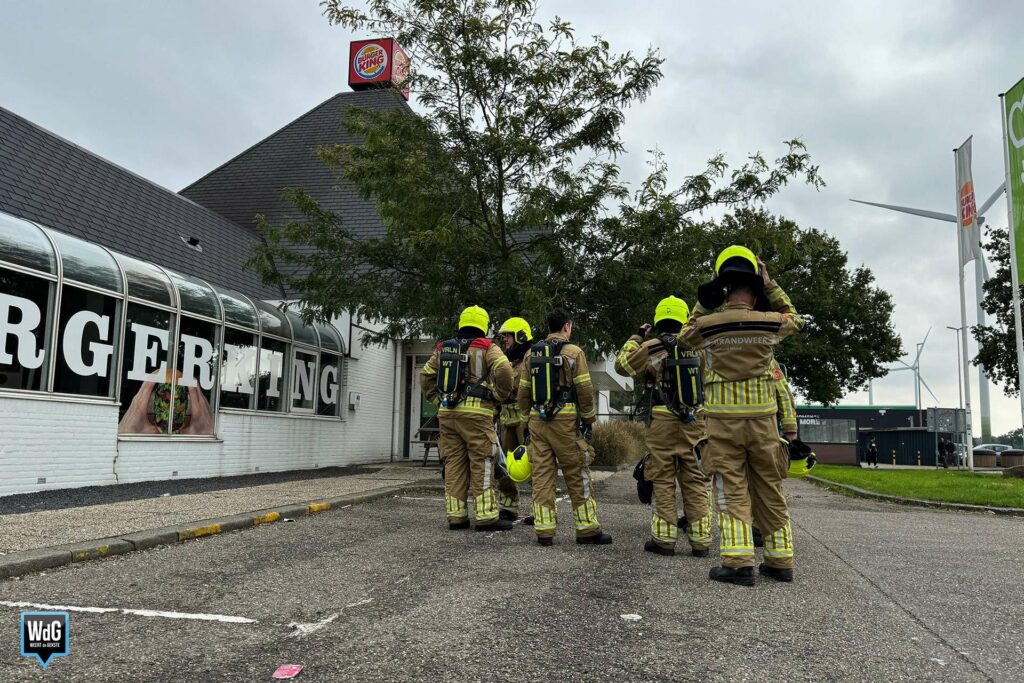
422, 413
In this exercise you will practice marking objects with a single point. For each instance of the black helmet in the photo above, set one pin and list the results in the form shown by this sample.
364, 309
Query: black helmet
644, 488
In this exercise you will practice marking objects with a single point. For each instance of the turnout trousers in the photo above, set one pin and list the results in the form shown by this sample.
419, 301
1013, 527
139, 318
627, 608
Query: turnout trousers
555, 444
671, 442
512, 435
469, 444
744, 459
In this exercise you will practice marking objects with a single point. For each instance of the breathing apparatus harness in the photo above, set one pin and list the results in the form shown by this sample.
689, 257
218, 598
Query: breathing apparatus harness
679, 388
549, 394
452, 383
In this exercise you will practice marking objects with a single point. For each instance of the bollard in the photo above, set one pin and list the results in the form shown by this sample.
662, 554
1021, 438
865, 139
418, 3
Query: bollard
919, 458
894, 456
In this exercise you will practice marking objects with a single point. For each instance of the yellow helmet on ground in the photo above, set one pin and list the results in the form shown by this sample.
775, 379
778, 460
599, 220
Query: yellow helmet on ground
519, 328
518, 464
671, 308
475, 317
736, 251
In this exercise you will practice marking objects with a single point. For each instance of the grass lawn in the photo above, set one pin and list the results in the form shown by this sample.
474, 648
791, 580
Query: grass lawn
942, 485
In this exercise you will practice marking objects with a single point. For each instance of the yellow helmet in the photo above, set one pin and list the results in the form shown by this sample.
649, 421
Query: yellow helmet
671, 308
519, 328
518, 464
475, 317
736, 251
801, 458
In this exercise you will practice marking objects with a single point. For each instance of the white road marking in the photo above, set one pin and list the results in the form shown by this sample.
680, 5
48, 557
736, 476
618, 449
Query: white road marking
223, 618
303, 630
418, 498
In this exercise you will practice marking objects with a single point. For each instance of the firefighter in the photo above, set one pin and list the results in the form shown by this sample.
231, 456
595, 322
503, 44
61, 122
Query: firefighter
673, 431
517, 336
559, 397
786, 416
468, 377
741, 407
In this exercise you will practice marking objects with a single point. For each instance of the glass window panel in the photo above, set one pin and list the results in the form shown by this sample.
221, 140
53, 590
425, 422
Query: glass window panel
237, 309
25, 304
301, 332
88, 330
238, 369
304, 384
271, 384
145, 280
198, 362
195, 296
328, 385
87, 262
24, 244
330, 338
273, 320
145, 372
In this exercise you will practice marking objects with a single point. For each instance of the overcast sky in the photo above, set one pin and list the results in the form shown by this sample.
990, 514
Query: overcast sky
881, 93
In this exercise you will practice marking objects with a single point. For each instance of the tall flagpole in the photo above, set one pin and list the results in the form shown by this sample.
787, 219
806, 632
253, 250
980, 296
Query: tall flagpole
969, 441
1014, 278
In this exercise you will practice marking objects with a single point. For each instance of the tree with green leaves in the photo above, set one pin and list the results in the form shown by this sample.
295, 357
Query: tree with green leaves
997, 345
504, 192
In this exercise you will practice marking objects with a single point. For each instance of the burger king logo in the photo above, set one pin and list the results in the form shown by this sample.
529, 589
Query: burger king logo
370, 61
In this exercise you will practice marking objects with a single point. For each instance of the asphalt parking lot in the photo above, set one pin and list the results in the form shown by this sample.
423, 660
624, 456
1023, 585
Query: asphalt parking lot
382, 591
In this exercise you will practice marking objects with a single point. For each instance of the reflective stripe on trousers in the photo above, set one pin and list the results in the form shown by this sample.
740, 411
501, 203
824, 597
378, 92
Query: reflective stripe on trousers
663, 531
699, 532
779, 543
586, 515
737, 538
543, 518
455, 508
486, 506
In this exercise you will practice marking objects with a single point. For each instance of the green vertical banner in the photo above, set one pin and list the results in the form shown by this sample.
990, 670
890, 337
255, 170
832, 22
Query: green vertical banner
1013, 111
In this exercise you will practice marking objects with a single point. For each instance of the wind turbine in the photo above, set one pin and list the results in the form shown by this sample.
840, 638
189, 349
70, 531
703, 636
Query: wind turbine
980, 276
916, 369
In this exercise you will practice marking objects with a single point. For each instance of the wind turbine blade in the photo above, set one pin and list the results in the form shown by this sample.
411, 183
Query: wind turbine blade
947, 217
929, 389
921, 347
992, 200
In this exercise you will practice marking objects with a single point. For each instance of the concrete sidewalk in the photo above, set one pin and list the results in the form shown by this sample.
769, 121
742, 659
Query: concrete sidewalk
46, 528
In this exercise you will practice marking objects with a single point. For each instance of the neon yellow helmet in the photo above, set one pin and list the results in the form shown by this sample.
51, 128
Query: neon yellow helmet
736, 251
801, 458
671, 308
518, 464
519, 328
475, 317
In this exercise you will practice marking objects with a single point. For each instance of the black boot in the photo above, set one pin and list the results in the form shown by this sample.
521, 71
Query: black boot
600, 538
497, 525
758, 538
683, 523
740, 576
777, 573
652, 547
546, 542
455, 526
510, 515
699, 552
528, 520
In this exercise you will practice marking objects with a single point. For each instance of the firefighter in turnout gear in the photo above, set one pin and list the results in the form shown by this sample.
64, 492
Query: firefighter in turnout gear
741, 404
786, 416
673, 431
558, 396
517, 336
468, 377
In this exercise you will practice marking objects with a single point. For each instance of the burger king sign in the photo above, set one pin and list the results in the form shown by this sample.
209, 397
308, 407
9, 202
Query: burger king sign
379, 63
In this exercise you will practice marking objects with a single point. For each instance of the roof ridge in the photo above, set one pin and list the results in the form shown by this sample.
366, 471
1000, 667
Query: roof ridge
261, 141
108, 162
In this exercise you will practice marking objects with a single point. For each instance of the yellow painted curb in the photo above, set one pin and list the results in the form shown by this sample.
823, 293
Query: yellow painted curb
313, 508
268, 518
91, 553
198, 531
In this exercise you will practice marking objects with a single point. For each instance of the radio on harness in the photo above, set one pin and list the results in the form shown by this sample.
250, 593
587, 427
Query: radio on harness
549, 394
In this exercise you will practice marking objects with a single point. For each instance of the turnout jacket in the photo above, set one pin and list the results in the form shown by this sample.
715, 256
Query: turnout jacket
510, 413
784, 399
487, 367
738, 345
574, 372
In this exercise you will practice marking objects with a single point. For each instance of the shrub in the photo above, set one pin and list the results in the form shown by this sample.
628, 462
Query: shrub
618, 442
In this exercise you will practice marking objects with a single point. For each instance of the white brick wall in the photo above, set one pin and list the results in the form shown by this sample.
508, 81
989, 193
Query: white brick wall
75, 444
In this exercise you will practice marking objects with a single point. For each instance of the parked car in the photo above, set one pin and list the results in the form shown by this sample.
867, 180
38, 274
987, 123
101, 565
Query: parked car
997, 447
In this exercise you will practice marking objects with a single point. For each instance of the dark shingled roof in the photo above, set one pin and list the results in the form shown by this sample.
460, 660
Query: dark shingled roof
49, 180
252, 182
